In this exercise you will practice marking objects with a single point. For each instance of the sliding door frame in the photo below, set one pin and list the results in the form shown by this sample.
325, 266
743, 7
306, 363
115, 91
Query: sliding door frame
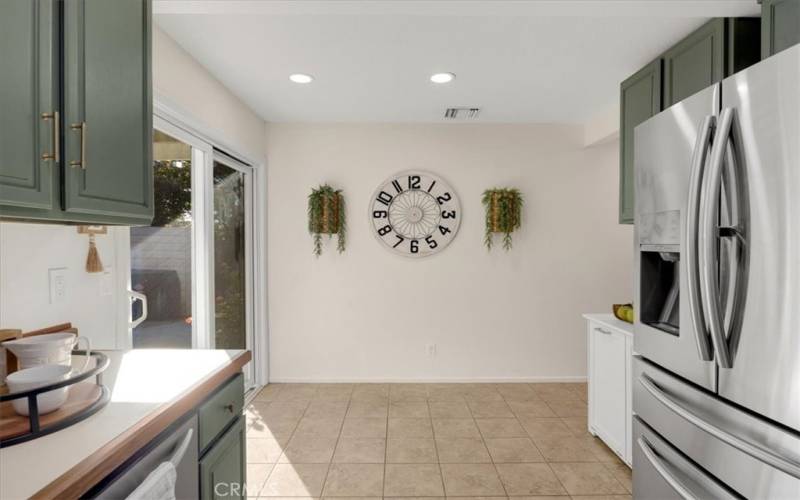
170, 118
249, 244
202, 263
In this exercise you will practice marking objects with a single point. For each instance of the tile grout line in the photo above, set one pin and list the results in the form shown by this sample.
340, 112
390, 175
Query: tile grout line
533, 441
289, 440
614, 476
386, 439
275, 464
335, 445
436, 448
247, 428
483, 440
547, 462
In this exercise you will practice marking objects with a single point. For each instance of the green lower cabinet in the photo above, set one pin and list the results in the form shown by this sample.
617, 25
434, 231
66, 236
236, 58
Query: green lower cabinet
28, 104
216, 413
640, 99
780, 25
223, 467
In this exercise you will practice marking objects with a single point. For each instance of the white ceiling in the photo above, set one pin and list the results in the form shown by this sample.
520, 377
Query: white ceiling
520, 61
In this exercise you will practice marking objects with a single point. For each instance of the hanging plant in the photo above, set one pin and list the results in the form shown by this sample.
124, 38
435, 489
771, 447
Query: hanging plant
326, 216
503, 214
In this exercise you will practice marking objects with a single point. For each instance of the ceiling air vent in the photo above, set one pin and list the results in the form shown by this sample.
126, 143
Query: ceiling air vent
462, 113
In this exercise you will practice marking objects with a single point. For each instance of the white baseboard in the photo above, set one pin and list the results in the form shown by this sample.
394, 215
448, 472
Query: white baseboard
440, 380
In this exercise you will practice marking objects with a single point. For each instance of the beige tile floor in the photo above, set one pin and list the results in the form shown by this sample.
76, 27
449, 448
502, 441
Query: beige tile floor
427, 440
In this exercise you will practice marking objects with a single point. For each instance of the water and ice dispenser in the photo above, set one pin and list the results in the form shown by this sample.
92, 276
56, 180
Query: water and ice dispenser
659, 271
660, 290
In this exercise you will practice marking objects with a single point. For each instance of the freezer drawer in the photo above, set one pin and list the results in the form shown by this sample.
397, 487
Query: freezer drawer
660, 472
752, 456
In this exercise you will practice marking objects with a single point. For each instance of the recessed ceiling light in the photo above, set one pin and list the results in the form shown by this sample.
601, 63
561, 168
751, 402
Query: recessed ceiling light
443, 77
301, 78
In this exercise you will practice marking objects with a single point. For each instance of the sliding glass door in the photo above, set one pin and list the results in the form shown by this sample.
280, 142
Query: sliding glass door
192, 268
162, 253
232, 256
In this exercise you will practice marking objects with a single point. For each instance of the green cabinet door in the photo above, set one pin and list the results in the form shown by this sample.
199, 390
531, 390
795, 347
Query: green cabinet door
695, 63
780, 25
640, 98
108, 168
223, 468
28, 104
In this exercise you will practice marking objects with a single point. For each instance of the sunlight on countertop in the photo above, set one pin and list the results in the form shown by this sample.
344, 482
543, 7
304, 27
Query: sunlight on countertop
158, 375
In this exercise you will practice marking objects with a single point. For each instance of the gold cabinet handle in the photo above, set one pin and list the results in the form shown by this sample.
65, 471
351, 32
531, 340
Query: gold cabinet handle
55, 155
82, 128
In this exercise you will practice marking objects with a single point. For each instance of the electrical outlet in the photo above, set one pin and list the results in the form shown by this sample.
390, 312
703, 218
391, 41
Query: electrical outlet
58, 284
431, 350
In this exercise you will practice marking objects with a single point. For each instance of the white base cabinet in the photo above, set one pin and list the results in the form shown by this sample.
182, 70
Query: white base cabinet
610, 344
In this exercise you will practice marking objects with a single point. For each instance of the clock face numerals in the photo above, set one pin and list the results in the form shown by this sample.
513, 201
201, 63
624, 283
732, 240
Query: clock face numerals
415, 213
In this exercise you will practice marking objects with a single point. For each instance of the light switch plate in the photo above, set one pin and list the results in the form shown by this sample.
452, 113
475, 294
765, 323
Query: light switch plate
58, 284
107, 282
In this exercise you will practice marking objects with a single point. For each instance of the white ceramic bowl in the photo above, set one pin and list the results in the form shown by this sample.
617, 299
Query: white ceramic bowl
39, 376
50, 349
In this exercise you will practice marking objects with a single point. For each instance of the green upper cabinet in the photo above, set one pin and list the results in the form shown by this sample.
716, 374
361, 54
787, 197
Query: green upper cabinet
780, 25
716, 50
640, 98
695, 62
28, 103
76, 115
108, 108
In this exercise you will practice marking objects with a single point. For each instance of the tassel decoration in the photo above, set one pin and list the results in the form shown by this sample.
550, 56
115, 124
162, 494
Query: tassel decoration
93, 262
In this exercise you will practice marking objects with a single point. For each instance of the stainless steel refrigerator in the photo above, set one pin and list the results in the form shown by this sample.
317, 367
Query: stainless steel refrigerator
717, 333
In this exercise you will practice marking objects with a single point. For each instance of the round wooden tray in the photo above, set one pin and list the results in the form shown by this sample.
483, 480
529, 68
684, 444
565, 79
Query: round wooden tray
86, 397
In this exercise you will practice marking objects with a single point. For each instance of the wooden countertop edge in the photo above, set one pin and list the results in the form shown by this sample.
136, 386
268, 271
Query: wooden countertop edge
91, 470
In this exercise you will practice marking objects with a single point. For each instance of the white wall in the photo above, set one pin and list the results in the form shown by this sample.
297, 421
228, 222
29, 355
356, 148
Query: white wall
28, 251
368, 314
182, 82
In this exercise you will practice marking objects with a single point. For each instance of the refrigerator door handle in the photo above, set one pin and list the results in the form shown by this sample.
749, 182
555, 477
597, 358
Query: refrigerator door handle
707, 240
756, 451
660, 467
692, 216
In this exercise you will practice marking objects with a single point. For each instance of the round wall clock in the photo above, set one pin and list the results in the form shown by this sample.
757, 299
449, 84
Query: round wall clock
415, 213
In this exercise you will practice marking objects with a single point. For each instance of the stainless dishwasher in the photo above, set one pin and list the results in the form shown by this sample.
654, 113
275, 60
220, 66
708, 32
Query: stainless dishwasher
120, 483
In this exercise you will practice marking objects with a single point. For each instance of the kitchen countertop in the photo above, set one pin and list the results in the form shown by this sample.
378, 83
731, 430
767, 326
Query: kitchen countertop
150, 389
611, 321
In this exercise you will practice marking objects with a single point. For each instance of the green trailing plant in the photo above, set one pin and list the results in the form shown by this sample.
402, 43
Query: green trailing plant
503, 214
326, 216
